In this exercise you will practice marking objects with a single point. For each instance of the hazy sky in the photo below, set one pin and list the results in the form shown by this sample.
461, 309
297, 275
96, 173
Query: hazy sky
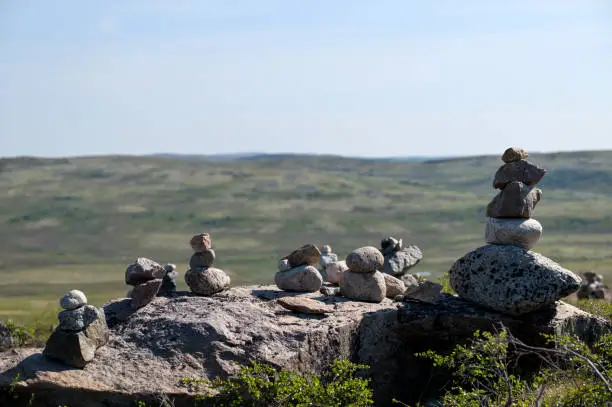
350, 77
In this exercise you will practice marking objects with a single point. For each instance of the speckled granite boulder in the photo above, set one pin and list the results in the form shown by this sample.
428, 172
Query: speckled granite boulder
521, 170
369, 287
365, 260
524, 233
207, 281
299, 279
510, 279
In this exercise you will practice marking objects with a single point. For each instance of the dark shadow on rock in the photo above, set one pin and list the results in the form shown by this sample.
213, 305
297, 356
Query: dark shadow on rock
118, 311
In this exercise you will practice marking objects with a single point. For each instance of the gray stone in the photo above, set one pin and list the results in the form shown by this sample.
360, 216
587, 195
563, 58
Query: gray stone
513, 154
362, 286
425, 291
398, 263
73, 299
202, 259
168, 287
284, 265
334, 271
330, 291
365, 260
510, 279
394, 286
524, 233
299, 279
142, 294
307, 255
522, 171
326, 259
516, 200
143, 270
77, 349
207, 281
390, 244
78, 319
304, 305
6, 338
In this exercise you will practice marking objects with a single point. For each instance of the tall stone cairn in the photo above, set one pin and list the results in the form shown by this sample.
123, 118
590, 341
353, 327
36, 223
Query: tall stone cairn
202, 278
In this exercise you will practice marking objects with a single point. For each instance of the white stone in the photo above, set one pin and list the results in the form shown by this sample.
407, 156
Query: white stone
523, 233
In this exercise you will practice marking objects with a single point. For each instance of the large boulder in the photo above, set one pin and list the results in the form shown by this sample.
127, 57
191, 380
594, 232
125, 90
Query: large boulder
365, 260
361, 286
143, 270
524, 233
516, 200
299, 279
510, 279
207, 281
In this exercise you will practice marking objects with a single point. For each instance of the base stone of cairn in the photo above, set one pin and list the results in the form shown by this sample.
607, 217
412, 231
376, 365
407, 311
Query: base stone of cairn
398, 258
505, 276
297, 271
362, 281
81, 331
146, 276
202, 278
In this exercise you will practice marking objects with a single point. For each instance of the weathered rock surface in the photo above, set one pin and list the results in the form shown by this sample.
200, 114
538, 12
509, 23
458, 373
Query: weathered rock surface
393, 286
424, 291
365, 260
152, 349
299, 279
73, 299
142, 294
513, 154
305, 305
363, 286
143, 270
307, 255
398, 263
207, 281
510, 279
78, 318
6, 339
522, 171
334, 271
516, 200
202, 259
524, 233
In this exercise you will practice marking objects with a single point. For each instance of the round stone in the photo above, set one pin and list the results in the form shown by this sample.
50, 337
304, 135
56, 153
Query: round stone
299, 279
201, 242
73, 299
369, 287
202, 259
524, 233
207, 281
365, 260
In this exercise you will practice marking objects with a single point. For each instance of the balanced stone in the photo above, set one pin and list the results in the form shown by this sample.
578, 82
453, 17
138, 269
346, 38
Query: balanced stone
201, 242
360, 286
299, 279
510, 279
524, 233
513, 154
207, 281
142, 271
307, 255
516, 200
202, 259
73, 299
394, 286
334, 271
365, 260
78, 319
304, 305
142, 294
397, 263
327, 257
522, 171
168, 287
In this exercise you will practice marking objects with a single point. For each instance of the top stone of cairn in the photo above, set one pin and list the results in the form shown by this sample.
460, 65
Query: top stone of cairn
513, 154
516, 168
201, 242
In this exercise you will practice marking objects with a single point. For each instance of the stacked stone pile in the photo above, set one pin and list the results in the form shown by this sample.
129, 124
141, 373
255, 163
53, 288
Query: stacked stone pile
202, 278
168, 286
81, 331
505, 275
297, 271
399, 258
146, 276
593, 287
363, 281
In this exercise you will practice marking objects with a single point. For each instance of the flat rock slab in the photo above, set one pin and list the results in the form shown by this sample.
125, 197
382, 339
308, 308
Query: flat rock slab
305, 305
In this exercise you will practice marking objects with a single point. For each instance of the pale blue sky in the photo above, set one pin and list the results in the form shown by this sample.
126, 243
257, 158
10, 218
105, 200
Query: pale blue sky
349, 77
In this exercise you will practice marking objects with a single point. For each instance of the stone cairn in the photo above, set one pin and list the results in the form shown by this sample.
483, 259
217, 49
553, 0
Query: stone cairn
146, 276
297, 271
202, 278
168, 286
363, 281
398, 257
505, 275
593, 287
81, 331
330, 265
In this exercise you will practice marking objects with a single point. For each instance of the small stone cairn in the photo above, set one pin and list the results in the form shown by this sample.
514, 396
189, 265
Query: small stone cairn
146, 276
593, 287
297, 271
202, 278
332, 268
505, 275
363, 281
81, 331
168, 286
398, 257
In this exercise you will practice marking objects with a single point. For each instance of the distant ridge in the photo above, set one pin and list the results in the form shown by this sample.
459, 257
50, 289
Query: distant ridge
269, 156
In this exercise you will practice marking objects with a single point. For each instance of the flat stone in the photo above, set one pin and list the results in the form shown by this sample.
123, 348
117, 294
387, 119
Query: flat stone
142, 294
369, 287
521, 171
514, 154
365, 260
207, 281
299, 279
398, 263
334, 271
200, 242
78, 319
425, 291
394, 286
516, 200
73, 299
307, 255
202, 259
304, 305
524, 233
143, 270
510, 279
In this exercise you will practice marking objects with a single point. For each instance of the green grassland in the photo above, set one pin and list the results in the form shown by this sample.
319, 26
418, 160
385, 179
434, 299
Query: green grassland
77, 222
